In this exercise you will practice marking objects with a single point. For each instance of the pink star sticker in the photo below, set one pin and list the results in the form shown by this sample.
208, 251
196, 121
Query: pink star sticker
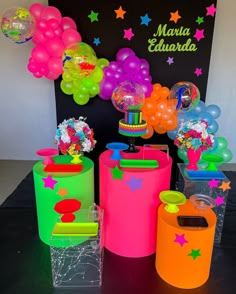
219, 200
199, 34
211, 10
213, 183
198, 71
128, 34
49, 182
180, 239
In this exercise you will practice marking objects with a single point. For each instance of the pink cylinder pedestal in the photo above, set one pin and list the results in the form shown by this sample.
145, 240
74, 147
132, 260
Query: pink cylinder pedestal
130, 198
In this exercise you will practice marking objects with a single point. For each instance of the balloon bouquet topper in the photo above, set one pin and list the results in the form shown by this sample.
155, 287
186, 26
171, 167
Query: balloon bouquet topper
128, 97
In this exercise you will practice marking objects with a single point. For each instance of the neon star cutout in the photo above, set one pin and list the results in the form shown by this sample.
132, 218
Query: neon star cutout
225, 186
96, 41
128, 34
199, 20
49, 182
117, 173
198, 71
180, 239
93, 16
211, 10
145, 20
213, 183
175, 16
219, 200
62, 192
135, 183
120, 12
170, 60
195, 253
199, 34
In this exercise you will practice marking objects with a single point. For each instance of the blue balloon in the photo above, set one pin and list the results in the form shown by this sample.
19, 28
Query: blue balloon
204, 115
213, 128
214, 110
172, 134
199, 108
185, 116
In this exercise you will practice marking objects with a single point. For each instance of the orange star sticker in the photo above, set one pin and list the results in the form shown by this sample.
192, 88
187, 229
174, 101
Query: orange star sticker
175, 16
120, 12
225, 186
62, 192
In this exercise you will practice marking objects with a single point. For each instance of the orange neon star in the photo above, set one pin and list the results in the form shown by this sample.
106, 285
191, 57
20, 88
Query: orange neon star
120, 12
225, 186
175, 16
62, 192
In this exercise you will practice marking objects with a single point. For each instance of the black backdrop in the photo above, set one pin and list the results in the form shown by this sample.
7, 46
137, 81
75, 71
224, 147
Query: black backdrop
101, 115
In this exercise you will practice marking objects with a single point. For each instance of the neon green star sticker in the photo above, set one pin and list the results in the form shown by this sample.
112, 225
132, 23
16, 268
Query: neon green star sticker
117, 173
199, 20
195, 253
93, 16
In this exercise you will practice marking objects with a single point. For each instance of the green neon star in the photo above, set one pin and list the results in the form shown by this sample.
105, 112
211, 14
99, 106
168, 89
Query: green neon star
199, 20
116, 173
195, 253
93, 16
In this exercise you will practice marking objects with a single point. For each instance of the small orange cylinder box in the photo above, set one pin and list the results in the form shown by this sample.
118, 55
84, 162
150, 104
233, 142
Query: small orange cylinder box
184, 250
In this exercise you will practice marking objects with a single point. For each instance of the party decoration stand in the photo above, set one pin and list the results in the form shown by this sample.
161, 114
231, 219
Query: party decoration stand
183, 253
214, 184
61, 193
78, 260
130, 197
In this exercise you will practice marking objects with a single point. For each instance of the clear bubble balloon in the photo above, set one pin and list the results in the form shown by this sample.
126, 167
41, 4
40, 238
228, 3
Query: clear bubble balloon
18, 24
186, 94
79, 58
128, 95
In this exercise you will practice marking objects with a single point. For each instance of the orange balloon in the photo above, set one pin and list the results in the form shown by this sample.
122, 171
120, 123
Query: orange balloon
149, 132
156, 95
164, 92
153, 119
161, 105
149, 106
169, 124
156, 87
159, 129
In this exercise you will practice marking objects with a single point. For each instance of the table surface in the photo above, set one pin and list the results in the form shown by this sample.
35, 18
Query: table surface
26, 268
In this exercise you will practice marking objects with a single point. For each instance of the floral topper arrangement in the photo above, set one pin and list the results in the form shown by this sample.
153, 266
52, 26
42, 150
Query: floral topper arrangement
194, 134
74, 136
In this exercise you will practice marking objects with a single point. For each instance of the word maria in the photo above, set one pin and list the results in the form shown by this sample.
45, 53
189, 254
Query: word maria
159, 45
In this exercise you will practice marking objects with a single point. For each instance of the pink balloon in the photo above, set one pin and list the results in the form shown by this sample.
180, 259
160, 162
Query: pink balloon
53, 23
123, 53
52, 76
55, 65
38, 38
40, 54
41, 24
71, 36
58, 32
51, 12
48, 33
68, 23
55, 47
43, 69
36, 9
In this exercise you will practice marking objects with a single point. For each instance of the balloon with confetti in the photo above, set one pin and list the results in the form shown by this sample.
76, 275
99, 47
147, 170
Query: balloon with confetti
18, 24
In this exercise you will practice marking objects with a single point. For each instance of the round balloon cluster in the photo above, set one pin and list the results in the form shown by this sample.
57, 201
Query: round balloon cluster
159, 112
18, 24
53, 34
126, 67
82, 72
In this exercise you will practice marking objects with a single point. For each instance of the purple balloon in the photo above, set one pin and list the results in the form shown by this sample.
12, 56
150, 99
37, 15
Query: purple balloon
108, 73
148, 79
123, 53
147, 88
144, 64
107, 87
114, 65
131, 64
144, 72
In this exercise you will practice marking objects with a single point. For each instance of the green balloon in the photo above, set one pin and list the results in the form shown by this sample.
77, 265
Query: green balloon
67, 87
227, 155
95, 90
66, 76
80, 98
97, 75
182, 153
102, 62
88, 82
222, 143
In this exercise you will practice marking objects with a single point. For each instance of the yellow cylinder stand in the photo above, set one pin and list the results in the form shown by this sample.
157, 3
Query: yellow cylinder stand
183, 254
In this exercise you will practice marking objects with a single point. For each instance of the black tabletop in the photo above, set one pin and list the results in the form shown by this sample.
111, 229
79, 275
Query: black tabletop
26, 268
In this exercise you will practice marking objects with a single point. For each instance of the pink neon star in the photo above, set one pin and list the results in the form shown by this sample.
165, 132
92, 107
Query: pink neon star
128, 34
219, 200
199, 34
211, 10
213, 183
198, 71
180, 239
49, 182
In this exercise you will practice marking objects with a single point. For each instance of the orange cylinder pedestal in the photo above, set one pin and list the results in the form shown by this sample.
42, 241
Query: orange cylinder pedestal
183, 256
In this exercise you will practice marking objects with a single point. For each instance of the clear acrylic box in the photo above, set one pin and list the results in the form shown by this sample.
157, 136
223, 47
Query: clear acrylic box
202, 186
76, 251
